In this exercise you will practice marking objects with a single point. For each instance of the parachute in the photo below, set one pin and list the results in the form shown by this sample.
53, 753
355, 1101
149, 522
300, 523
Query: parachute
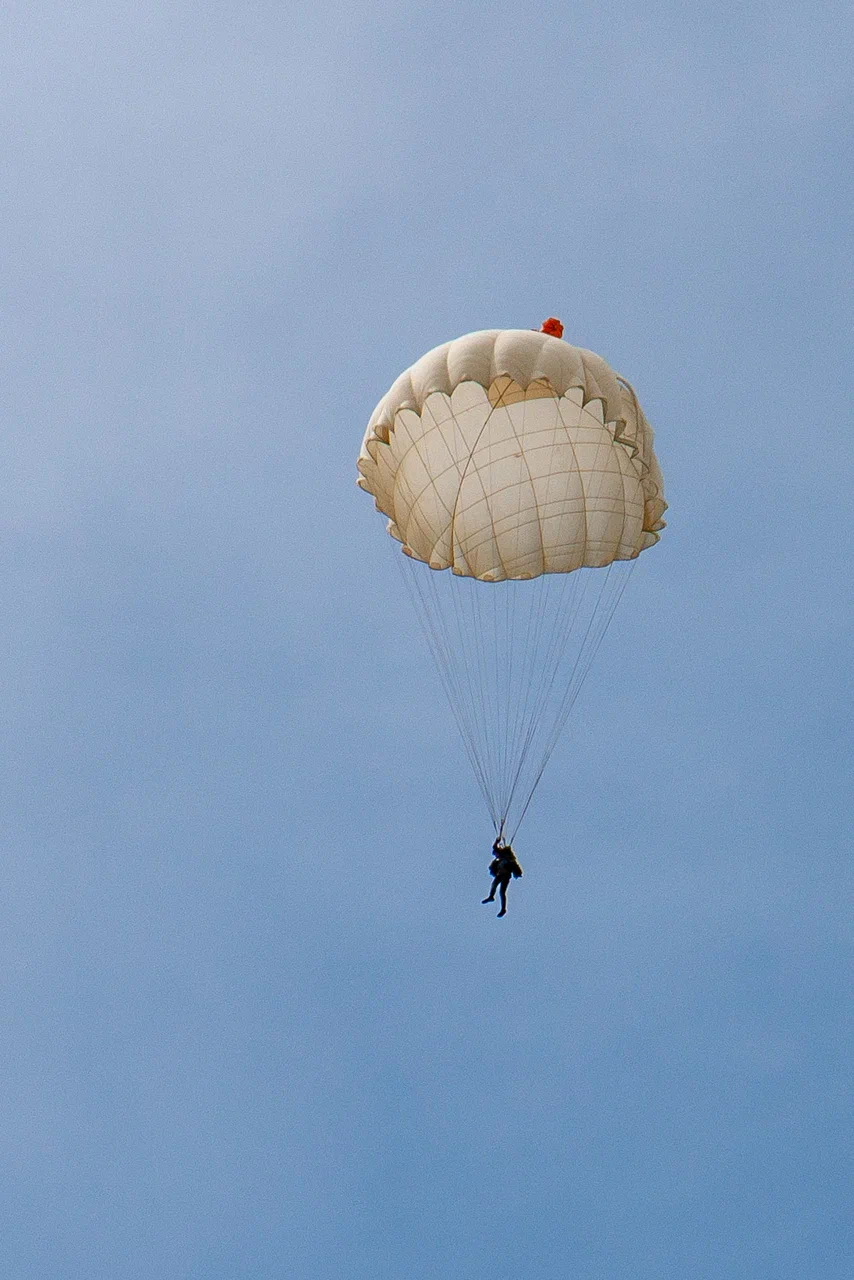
524, 465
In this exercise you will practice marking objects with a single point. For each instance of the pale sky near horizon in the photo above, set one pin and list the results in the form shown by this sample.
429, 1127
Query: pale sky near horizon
256, 1023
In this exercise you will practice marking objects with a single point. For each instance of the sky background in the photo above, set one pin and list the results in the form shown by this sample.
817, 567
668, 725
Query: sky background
255, 1022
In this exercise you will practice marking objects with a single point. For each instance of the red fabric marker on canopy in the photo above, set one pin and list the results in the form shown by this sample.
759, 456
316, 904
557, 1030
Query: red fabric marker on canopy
553, 327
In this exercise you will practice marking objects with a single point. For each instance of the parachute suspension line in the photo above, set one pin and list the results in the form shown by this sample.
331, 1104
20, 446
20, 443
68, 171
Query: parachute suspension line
513, 701
464, 650
571, 594
495, 598
581, 667
422, 593
460, 645
434, 626
486, 712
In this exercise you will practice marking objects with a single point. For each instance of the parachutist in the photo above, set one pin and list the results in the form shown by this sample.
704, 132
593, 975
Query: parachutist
501, 868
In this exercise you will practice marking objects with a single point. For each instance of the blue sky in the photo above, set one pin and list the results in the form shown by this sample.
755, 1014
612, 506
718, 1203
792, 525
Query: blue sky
255, 1021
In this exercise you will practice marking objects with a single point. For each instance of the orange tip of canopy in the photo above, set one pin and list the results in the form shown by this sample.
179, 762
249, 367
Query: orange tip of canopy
552, 326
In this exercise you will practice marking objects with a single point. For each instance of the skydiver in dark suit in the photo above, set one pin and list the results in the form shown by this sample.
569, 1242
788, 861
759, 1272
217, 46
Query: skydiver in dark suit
502, 867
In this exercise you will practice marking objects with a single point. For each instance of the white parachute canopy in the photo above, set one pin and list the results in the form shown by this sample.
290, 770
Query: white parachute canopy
526, 467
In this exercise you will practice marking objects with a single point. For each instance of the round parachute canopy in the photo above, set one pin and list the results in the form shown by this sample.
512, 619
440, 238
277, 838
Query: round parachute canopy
509, 455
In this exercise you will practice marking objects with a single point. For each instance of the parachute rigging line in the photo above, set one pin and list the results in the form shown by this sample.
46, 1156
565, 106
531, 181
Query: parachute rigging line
512, 674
